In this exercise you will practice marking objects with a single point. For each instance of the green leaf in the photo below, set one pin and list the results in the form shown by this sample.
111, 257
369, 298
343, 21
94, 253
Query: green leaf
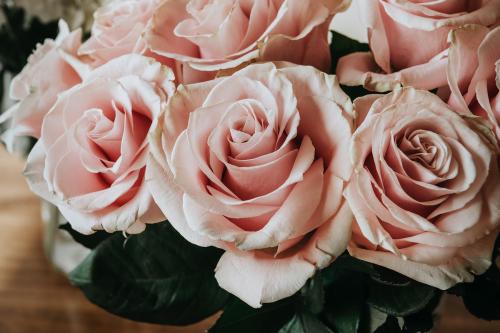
482, 297
345, 302
355, 91
20, 36
400, 300
389, 277
241, 318
422, 321
156, 277
304, 322
88, 241
313, 294
358, 283
391, 325
347, 263
342, 45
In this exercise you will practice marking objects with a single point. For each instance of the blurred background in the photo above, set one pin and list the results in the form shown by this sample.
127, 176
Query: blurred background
35, 296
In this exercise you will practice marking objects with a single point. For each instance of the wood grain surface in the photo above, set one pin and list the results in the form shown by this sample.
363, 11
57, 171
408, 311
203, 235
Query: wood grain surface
34, 298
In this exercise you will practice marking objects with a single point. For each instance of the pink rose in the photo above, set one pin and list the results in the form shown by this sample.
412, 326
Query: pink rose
426, 189
90, 159
51, 69
255, 163
473, 72
408, 41
224, 34
117, 30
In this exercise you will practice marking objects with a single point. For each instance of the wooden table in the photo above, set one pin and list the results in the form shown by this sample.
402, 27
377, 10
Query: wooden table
34, 298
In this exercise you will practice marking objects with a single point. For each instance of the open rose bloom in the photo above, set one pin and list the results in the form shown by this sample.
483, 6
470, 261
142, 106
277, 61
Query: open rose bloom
409, 41
214, 35
425, 192
35, 91
255, 164
91, 156
199, 37
117, 30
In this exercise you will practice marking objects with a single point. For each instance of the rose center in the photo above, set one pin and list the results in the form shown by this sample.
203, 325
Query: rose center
426, 148
114, 137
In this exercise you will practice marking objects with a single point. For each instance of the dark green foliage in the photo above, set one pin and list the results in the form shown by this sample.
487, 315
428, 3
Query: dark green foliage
89, 241
293, 314
342, 45
346, 302
19, 37
354, 286
241, 318
355, 92
391, 325
156, 277
422, 321
313, 295
399, 300
305, 322
482, 296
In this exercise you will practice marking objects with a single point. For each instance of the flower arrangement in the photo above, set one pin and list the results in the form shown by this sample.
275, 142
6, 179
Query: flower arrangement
224, 156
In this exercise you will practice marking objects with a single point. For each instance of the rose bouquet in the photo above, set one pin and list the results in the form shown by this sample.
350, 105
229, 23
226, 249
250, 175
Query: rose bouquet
206, 154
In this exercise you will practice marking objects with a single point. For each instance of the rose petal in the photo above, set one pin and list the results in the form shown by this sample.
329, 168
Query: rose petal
257, 270
469, 261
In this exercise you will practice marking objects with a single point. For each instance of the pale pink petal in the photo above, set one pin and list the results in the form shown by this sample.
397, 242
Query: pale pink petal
216, 42
34, 170
160, 36
114, 219
257, 270
191, 179
488, 14
252, 182
144, 67
331, 198
312, 50
331, 138
469, 261
35, 90
463, 62
400, 23
168, 196
359, 69
362, 106
377, 37
300, 206
367, 220
214, 208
